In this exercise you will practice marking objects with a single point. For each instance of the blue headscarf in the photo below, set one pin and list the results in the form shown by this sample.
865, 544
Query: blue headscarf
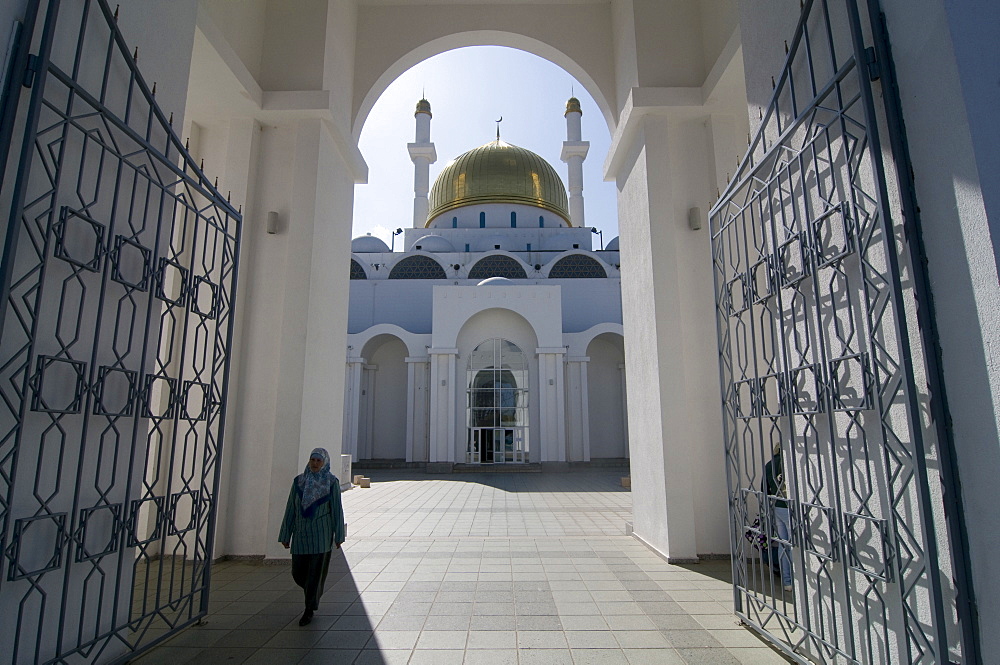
315, 487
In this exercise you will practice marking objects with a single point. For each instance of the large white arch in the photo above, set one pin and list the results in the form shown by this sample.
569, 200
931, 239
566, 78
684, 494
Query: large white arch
370, 83
415, 342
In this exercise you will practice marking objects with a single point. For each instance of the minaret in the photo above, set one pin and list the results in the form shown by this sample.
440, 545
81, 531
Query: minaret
573, 153
423, 154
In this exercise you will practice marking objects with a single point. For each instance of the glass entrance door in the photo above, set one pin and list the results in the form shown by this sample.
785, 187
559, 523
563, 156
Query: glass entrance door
497, 404
496, 445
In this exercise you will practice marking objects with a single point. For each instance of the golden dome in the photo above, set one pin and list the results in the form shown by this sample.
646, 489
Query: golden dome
573, 106
423, 106
498, 172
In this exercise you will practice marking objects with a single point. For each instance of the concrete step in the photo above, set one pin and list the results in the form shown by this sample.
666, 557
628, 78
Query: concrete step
497, 468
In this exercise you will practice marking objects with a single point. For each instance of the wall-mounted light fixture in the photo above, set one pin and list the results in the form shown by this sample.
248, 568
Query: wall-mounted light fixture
694, 218
273, 221
394, 234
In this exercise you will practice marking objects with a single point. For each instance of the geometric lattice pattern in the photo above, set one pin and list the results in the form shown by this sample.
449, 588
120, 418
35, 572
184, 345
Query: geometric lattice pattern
577, 266
357, 272
115, 329
497, 265
813, 345
417, 267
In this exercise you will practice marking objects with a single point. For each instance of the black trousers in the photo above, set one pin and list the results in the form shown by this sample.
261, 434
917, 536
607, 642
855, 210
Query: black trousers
309, 572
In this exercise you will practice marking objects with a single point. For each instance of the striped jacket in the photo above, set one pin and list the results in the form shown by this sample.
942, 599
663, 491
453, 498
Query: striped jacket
318, 533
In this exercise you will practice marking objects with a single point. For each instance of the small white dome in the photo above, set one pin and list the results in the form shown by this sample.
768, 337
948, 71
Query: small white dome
368, 244
495, 281
433, 243
613, 245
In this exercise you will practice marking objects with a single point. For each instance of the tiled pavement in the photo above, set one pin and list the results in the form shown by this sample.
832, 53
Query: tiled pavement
482, 569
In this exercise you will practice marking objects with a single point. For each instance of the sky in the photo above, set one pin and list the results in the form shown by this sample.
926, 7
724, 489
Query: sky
469, 89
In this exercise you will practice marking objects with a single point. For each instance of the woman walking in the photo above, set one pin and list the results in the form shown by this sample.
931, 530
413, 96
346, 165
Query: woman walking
313, 525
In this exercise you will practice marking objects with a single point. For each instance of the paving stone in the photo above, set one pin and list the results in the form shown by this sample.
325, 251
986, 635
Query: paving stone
442, 639
437, 657
492, 639
494, 569
708, 657
491, 657
541, 639
599, 657
544, 657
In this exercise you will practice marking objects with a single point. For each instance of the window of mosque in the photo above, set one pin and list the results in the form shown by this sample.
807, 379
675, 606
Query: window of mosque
513, 220
497, 265
497, 404
417, 267
357, 272
577, 266
482, 220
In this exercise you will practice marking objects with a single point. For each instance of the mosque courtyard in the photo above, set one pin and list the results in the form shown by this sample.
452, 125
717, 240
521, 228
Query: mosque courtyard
481, 569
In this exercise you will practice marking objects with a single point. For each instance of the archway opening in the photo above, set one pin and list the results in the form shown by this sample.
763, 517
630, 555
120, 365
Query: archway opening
382, 416
606, 383
527, 91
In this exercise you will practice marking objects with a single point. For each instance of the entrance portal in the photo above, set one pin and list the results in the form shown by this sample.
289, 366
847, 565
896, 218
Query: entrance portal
497, 404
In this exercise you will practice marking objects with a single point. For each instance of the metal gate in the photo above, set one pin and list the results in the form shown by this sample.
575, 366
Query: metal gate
823, 319
119, 270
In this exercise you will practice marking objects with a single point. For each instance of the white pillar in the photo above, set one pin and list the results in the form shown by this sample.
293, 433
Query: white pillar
423, 154
409, 410
577, 409
574, 151
442, 407
679, 488
624, 385
551, 405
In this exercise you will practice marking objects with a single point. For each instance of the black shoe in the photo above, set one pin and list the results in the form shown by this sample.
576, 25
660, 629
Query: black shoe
307, 618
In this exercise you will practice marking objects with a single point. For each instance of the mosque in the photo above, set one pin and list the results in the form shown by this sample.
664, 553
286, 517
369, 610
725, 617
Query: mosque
495, 337
808, 195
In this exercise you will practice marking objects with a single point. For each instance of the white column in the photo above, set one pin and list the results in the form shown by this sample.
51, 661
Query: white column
577, 410
409, 410
663, 168
551, 405
423, 154
352, 405
574, 151
442, 405
624, 385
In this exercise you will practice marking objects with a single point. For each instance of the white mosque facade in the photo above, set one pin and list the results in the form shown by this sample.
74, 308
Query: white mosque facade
495, 336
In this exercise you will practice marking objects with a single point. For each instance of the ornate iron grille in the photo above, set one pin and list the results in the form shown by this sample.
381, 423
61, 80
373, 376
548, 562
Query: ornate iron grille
497, 265
357, 272
815, 289
116, 302
417, 267
577, 266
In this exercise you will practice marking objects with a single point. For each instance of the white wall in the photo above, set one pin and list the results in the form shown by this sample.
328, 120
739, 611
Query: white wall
950, 191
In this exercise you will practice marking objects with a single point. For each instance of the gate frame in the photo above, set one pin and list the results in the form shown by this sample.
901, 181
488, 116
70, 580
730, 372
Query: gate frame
29, 71
877, 60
